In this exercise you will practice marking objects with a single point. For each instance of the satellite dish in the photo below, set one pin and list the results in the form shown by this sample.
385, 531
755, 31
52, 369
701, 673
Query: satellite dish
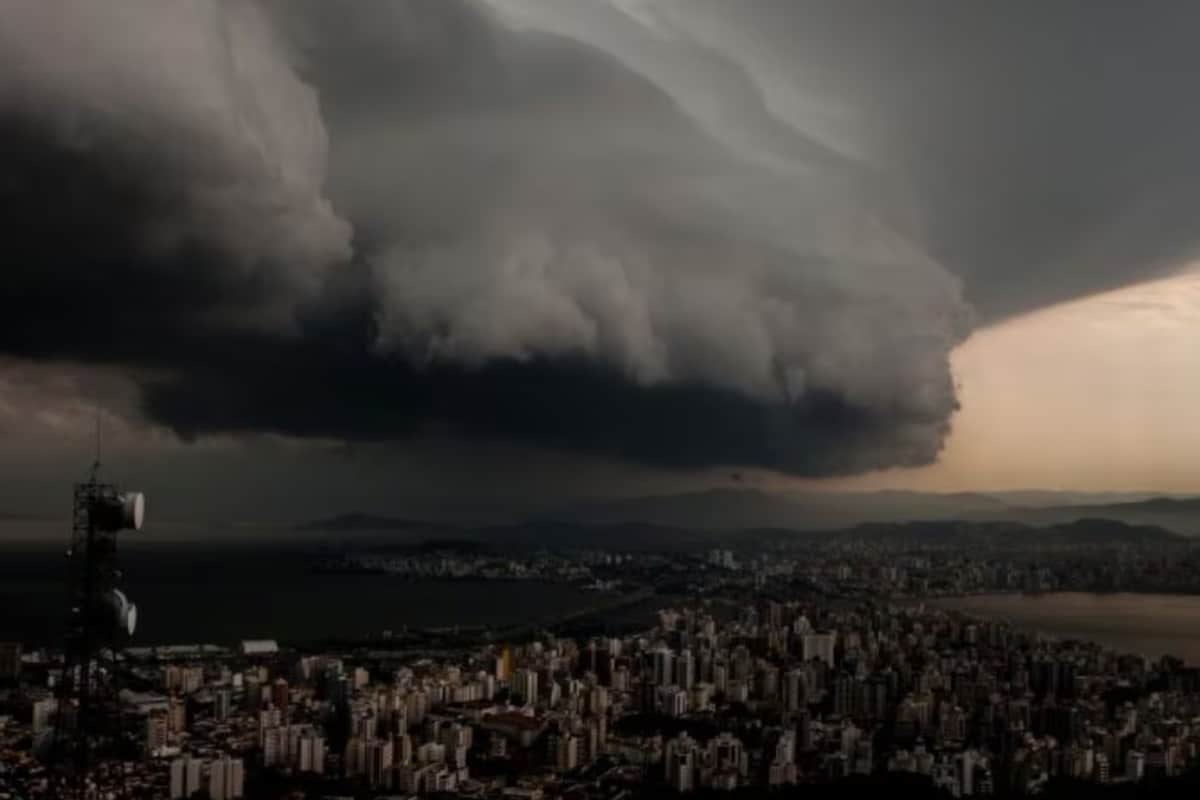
124, 612
124, 511
133, 509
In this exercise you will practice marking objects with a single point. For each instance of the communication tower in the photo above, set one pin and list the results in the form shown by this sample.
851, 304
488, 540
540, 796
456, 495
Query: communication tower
100, 620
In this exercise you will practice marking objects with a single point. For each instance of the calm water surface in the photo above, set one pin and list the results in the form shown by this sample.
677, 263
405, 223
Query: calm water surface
222, 593
1151, 624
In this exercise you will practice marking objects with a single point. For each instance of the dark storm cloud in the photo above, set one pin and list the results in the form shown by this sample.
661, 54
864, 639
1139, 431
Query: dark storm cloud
1047, 148
629, 229
162, 179
564, 255
311, 388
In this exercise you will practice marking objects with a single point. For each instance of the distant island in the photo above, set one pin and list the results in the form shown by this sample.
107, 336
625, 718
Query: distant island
925, 534
371, 522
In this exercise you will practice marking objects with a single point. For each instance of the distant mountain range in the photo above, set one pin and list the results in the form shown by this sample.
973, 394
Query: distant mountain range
742, 509
1083, 529
738, 509
374, 522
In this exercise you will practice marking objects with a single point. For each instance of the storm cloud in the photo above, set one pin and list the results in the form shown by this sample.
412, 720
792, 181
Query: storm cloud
629, 229
1041, 151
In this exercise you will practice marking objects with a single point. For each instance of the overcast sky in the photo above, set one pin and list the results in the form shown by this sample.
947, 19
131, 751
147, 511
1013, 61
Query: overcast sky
427, 253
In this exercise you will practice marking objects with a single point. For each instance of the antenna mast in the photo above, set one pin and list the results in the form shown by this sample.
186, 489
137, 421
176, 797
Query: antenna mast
101, 618
96, 463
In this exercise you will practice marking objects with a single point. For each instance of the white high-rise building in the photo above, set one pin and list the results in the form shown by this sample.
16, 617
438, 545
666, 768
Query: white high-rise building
226, 779
274, 745
402, 753
310, 755
567, 752
156, 732
185, 777
43, 714
525, 683
672, 701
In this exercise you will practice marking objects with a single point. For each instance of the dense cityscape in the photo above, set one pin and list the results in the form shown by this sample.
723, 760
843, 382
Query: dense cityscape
914, 560
756, 667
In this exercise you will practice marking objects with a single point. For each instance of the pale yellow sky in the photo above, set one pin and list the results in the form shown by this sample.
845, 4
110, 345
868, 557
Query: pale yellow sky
1101, 393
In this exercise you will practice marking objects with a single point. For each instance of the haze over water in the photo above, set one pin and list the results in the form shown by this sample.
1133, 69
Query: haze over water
221, 593
1150, 624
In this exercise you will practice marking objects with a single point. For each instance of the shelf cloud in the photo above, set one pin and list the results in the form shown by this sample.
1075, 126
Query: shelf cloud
664, 232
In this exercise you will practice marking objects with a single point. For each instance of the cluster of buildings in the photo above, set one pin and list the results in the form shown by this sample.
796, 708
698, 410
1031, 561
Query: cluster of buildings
715, 696
218, 778
450, 563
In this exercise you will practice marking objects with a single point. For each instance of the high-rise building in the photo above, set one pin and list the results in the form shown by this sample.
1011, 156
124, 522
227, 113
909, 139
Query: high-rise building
681, 763
698, 698
431, 753
725, 752
685, 670
178, 786
310, 755
10, 661
176, 715
504, 661
279, 695
268, 718
43, 714
525, 684
1102, 771
455, 735
417, 703
1135, 765
720, 676
379, 762
593, 746
222, 704
157, 728
620, 679
183, 680
671, 700
226, 779
274, 745
402, 752
795, 690
354, 761
767, 683
770, 613
597, 701
804, 736
965, 765
566, 752
252, 697
661, 666
186, 777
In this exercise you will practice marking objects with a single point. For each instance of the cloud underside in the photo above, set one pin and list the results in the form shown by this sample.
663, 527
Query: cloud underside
611, 229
